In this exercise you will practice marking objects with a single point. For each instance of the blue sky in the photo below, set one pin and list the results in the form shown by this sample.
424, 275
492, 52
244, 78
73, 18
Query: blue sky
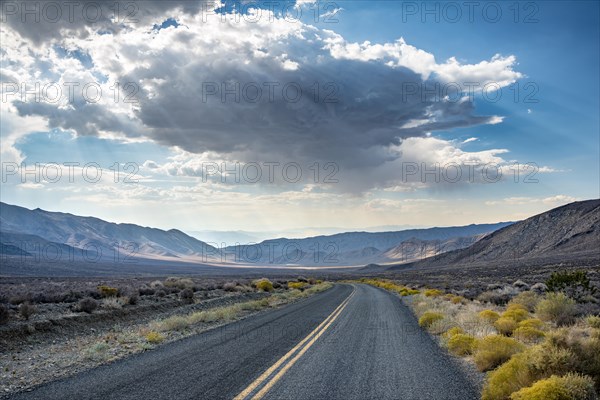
166, 143
557, 49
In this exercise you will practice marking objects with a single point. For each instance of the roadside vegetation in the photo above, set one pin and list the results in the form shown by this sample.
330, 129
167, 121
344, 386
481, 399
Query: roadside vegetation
113, 319
532, 342
234, 311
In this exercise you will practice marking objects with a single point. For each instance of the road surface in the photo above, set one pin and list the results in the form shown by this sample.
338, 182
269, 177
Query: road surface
350, 342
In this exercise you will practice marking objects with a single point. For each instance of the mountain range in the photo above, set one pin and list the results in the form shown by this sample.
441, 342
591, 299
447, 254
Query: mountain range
564, 233
31, 233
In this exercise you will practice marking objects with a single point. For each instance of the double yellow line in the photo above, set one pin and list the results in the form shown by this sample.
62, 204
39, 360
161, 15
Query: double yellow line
307, 342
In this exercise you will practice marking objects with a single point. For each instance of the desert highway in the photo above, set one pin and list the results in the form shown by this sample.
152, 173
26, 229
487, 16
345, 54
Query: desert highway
349, 342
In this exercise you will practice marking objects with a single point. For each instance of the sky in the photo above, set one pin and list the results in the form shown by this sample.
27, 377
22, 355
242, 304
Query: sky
300, 117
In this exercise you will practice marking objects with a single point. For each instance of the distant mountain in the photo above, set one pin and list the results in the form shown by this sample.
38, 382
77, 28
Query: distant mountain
356, 248
69, 237
72, 236
417, 249
562, 233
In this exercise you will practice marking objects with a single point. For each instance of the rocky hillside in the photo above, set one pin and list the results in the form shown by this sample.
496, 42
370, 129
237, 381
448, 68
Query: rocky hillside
68, 237
561, 233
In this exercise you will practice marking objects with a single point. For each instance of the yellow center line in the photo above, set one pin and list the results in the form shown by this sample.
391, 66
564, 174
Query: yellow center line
283, 370
274, 367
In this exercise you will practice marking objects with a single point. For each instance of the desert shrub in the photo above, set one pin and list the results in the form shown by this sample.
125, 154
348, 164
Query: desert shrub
494, 350
528, 334
527, 299
461, 344
545, 360
453, 331
574, 284
433, 293
146, 291
516, 312
38, 298
556, 307
405, 291
94, 294
263, 284
157, 285
536, 362
580, 387
113, 303
440, 326
72, 296
455, 299
4, 315
507, 378
498, 296
154, 337
539, 288
391, 286
87, 305
229, 286
107, 291
97, 351
161, 293
558, 281
429, 317
531, 323
505, 325
519, 284
568, 387
133, 299
179, 283
175, 323
297, 285
187, 295
585, 350
489, 316
515, 306
26, 310
20, 298
593, 321
227, 313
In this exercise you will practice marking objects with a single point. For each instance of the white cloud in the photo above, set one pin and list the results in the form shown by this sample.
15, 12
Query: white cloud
498, 71
368, 129
331, 13
495, 120
553, 201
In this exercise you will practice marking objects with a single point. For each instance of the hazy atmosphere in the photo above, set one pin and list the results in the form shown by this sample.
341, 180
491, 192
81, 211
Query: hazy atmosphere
266, 117
300, 200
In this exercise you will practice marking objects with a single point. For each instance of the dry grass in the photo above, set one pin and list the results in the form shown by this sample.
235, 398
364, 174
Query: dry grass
493, 350
461, 344
263, 284
429, 318
234, 311
568, 387
154, 337
557, 308
114, 303
542, 360
391, 286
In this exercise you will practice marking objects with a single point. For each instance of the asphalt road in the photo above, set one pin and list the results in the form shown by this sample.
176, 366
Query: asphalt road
350, 342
